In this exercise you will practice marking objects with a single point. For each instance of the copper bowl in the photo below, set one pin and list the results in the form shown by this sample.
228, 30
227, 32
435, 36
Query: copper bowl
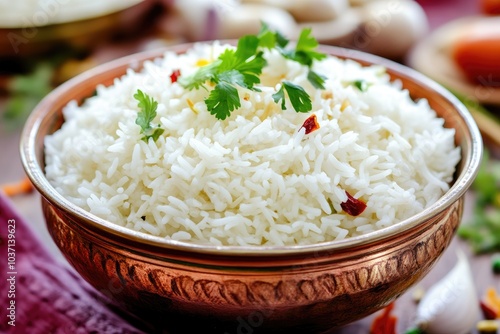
311, 288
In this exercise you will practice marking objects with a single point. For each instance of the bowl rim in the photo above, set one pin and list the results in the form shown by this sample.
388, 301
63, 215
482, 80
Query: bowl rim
35, 172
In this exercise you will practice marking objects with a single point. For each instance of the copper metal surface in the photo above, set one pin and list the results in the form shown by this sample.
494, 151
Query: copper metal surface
308, 288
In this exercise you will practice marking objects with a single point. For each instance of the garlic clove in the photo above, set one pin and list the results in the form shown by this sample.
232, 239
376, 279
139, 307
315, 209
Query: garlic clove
318, 10
218, 19
309, 10
390, 28
451, 305
246, 19
340, 31
356, 3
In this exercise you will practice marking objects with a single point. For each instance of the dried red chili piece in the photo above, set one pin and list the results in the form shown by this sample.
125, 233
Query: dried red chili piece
310, 124
353, 206
488, 312
385, 323
175, 75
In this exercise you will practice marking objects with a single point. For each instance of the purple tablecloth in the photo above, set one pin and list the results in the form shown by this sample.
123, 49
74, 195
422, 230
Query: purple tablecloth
39, 295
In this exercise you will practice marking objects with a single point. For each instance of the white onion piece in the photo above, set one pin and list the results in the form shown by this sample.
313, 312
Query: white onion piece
451, 305
308, 10
340, 31
391, 27
218, 19
318, 10
247, 18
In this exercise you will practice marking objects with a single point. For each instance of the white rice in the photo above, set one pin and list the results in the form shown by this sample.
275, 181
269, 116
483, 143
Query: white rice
255, 178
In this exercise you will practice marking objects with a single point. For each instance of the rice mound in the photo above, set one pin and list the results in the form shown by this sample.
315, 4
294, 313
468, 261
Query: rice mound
255, 178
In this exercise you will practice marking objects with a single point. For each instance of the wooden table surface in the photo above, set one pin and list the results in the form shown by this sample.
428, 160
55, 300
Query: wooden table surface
29, 205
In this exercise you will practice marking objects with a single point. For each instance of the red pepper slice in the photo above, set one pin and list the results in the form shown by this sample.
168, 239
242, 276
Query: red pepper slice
175, 75
385, 323
488, 312
310, 124
353, 206
490, 7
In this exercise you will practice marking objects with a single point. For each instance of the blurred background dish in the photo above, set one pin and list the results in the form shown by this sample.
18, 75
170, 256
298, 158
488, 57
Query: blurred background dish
463, 55
387, 28
435, 56
35, 13
35, 27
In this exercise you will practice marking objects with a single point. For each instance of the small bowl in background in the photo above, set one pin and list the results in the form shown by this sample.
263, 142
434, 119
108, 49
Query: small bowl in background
49, 25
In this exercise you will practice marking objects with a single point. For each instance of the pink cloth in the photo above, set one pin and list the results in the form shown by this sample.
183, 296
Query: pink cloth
39, 295
442, 11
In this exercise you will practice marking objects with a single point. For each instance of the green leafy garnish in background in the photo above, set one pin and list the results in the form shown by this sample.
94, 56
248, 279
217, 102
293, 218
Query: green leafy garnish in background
25, 92
488, 123
147, 114
482, 231
243, 66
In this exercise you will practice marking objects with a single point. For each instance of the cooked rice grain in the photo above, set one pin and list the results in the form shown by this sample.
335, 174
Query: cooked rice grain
255, 178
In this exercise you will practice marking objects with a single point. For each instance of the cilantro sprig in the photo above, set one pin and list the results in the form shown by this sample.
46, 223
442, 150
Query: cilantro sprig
146, 115
305, 53
242, 67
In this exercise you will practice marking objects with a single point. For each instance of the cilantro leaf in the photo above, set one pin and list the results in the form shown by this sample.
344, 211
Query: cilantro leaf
247, 48
252, 69
280, 95
157, 132
245, 59
232, 77
361, 84
146, 115
271, 39
304, 52
223, 99
317, 80
301, 101
200, 77
305, 49
148, 110
243, 66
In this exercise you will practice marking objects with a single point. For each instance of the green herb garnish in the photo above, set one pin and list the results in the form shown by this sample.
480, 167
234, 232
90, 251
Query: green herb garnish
305, 53
243, 66
361, 84
25, 92
147, 114
483, 230
495, 263
300, 100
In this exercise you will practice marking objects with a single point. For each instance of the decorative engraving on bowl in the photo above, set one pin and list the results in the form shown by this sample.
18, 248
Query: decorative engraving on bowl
124, 275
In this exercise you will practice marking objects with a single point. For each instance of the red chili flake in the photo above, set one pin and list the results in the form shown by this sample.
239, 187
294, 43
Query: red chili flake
353, 206
310, 124
488, 312
385, 323
175, 75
